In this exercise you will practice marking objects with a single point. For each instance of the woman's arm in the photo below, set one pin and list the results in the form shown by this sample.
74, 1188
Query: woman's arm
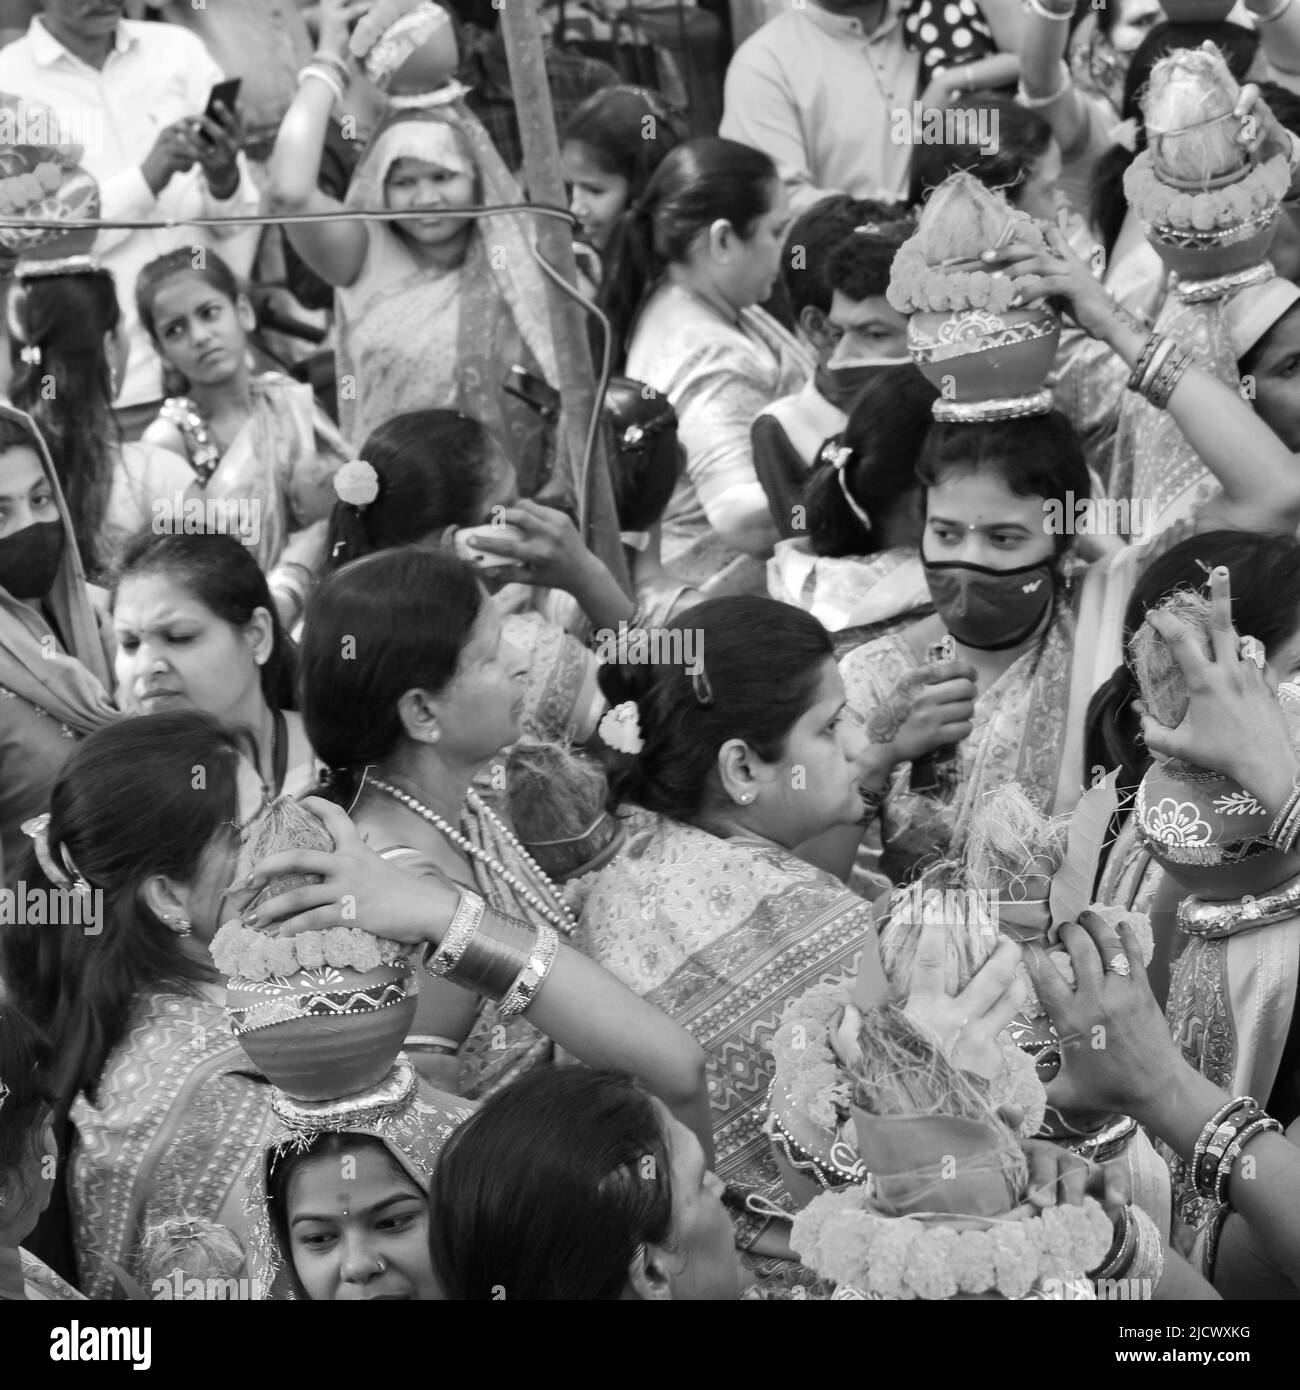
1117, 1051
580, 1006
1045, 77
1256, 470
336, 251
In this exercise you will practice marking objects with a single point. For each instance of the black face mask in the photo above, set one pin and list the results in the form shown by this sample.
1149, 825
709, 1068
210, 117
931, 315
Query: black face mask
29, 559
987, 609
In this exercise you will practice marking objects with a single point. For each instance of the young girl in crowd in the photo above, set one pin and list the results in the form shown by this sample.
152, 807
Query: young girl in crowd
249, 438
686, 269
432, 310
155, 1110
196, 629
612, 145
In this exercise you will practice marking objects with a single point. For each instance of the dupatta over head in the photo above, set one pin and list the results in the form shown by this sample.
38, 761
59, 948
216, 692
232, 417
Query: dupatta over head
501, 290
410, 1119
63, 670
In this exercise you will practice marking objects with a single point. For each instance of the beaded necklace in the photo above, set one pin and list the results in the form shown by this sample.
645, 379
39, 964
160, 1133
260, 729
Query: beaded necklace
558, 914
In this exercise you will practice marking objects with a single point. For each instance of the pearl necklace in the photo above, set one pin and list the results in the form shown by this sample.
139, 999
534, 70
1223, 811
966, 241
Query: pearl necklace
558, 915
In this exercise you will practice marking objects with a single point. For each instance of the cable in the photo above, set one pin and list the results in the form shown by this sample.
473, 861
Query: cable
602, 385
275, 219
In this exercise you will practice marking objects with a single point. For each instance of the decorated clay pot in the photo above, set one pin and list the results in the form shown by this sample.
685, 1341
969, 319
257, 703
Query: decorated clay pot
975, 355
1207, 832
415, 55
1206, 255
324, 1033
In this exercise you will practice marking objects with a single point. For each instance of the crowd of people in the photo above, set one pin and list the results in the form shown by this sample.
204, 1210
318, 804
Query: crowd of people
422, 882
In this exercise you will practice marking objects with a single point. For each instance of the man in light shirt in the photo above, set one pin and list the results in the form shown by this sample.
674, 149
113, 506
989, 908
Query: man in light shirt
816, 88
134, 94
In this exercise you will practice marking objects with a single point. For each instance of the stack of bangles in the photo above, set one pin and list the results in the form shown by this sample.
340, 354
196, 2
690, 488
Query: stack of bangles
1285, 830
1159, 368
1138, 1252
500, 957
1226, 1133
329, 69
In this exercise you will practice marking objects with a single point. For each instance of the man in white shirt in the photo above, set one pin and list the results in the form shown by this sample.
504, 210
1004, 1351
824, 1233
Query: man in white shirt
134, 94
816, 88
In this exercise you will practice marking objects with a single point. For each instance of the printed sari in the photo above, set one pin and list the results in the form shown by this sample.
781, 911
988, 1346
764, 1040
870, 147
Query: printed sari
179, 1114
414, 338
495, 1053
283, 458
721, 935
1231, 1007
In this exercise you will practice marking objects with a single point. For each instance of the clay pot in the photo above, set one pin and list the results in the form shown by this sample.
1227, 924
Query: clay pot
1197, 11
975, 355
1205, 255
326, 1033
429, 66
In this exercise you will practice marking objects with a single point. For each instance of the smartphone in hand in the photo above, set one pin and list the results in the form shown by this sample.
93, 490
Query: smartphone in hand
223, 94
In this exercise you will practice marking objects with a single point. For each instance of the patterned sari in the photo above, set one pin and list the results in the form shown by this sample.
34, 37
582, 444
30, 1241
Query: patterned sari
180, 1113
495, 1053
721, 935
1230, 1009
284, 457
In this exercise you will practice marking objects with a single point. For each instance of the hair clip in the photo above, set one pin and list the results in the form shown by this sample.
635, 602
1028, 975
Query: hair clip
31, 354
701, 686
838, 456
64, 875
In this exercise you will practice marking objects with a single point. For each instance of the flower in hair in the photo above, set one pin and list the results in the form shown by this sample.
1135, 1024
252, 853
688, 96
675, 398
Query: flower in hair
621, 728
357, 483
31, 354
837, 455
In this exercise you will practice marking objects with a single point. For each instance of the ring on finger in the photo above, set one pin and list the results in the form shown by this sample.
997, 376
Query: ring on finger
1252, 649
1118, 964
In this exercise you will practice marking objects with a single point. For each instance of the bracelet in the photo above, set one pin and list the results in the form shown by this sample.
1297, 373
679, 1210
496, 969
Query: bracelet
533, 976
1211, 1126
1206, 1169
1157, 360
1138, 373
1034, 102
1037, 7
1260, 1125
431, 1042
334, 63
464, 923
1122, 1249
1289, 805
1290, 832
323, 74
1276, 12
499, 952
1167, 379
1149, 1258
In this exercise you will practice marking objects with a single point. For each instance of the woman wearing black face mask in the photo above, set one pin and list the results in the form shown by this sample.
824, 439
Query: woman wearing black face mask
54, 664
1004, 503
